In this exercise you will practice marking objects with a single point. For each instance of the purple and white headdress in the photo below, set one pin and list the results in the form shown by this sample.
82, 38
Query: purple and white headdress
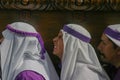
37, 35
113, 33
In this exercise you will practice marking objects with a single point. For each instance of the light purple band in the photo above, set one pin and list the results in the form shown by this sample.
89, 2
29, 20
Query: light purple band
112, 33
76, 34
37, 35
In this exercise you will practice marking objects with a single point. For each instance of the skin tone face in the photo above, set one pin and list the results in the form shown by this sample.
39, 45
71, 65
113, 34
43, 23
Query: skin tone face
110, 53
58, 45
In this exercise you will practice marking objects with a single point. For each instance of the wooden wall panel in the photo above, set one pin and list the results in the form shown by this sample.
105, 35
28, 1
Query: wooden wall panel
70, 5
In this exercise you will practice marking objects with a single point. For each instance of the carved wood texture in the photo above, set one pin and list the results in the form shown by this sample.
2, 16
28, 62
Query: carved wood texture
70, 5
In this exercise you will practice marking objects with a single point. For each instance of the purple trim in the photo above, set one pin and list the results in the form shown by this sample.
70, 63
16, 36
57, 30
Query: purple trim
117, 76
29, 75
76, 34
37, 35
112, 33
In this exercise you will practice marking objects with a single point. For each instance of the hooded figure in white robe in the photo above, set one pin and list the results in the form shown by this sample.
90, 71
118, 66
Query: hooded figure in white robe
23, 56
110, 48
79, 60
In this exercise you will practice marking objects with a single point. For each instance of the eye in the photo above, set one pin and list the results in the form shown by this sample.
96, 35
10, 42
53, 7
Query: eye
104, 43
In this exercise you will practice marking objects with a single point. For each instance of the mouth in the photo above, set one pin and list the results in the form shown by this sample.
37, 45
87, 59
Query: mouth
54, 47
103, 58
102, 55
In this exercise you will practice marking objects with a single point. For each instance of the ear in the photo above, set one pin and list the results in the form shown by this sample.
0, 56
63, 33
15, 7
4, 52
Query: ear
118, 51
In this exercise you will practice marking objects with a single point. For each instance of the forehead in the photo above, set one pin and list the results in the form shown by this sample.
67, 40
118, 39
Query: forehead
106, 39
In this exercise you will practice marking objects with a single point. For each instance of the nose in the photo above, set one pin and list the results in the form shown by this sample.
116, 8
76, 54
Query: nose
54, 39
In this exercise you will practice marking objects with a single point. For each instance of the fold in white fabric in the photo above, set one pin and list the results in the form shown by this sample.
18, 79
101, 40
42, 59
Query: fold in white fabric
19, 53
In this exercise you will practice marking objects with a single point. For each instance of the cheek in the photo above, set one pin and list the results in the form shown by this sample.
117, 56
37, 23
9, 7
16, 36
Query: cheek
60, 48
108, 52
